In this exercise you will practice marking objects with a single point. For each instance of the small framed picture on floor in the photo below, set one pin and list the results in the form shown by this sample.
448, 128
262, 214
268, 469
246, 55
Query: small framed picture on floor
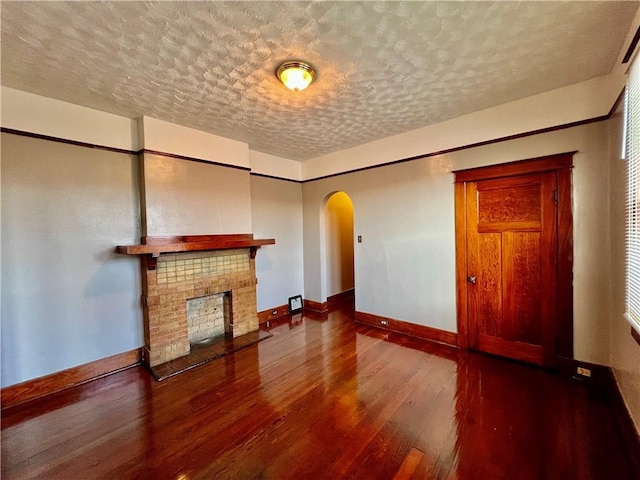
295, 304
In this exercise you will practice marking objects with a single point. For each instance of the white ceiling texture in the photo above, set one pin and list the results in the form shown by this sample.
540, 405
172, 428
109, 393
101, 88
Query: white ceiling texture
383, 67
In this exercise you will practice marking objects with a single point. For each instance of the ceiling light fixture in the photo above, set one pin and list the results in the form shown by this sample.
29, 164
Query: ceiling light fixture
296, 75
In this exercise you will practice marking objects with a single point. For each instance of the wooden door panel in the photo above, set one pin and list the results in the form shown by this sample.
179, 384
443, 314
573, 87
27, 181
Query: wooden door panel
489, 285
523, 287
499, 203
509, 306
505, 348
500, 227
511, 254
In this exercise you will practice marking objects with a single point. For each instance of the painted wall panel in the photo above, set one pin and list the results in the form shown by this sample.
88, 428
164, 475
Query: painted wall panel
274, 166
166, 137
67, 297
37, 114
194, 198
404, 267
276, 207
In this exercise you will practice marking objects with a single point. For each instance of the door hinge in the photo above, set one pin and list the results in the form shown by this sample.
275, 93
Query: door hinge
555, 197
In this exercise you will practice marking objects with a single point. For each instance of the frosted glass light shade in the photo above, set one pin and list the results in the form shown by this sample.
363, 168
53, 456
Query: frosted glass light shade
296, 76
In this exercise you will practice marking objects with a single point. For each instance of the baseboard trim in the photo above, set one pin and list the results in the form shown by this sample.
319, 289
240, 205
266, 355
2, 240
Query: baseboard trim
598, 374
622, 416
635, 335
340, 297
411, 329
603, 379
314, 306
274, 313
39, 387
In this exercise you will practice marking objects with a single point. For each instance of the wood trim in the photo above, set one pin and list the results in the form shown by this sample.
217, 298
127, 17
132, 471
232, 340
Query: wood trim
411, 329
273, 177
568, 367
75, 143
142, 193
156, 250
167, 240
152, 247
39, 387
314, 306
635, 335
273, 313
191, 159
564, 299
603, 379
623, 419
119, 150
632, 47
460, 193
188, 245
521, 167
472, 261
340, 297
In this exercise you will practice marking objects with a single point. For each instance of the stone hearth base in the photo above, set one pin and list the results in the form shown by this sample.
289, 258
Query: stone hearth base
206, 351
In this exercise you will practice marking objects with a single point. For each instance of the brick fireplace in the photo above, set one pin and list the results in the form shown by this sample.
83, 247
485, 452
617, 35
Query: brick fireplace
193, 287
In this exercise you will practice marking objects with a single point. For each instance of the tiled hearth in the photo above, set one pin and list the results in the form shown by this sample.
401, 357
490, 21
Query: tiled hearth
196, 289
206, 351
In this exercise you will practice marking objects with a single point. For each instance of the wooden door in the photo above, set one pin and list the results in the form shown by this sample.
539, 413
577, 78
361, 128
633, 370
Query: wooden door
510, 265
511, 256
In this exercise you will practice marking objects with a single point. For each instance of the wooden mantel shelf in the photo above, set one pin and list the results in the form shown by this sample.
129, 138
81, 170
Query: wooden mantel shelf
152, 247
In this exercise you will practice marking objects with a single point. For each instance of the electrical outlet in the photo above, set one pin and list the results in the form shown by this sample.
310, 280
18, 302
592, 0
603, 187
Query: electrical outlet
584, 372
384, 322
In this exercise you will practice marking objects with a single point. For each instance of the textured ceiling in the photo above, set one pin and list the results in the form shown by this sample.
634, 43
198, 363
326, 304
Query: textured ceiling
383, 67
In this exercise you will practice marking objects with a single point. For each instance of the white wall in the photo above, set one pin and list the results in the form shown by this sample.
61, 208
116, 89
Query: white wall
276, 210
405, 267
271, 165
194, 198
338, 221
167, 137
67, 297
36, 114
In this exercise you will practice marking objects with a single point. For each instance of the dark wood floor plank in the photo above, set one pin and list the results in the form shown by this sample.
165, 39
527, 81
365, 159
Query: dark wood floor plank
323, 398
319, 414
409, 465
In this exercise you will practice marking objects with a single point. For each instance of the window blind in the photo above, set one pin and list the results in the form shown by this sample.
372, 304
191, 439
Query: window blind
632, 155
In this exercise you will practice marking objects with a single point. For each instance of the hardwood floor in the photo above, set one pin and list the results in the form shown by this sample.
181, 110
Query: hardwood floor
322, 399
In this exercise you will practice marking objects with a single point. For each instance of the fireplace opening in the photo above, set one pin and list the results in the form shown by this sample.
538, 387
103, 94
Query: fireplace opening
208, 318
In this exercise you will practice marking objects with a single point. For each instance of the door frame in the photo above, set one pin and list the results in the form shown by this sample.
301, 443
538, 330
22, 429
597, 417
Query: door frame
561, 164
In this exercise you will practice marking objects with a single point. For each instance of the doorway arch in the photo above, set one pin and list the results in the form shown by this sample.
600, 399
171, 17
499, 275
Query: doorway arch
338, 266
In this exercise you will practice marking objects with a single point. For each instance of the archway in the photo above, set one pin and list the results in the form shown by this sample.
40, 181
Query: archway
339, 277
